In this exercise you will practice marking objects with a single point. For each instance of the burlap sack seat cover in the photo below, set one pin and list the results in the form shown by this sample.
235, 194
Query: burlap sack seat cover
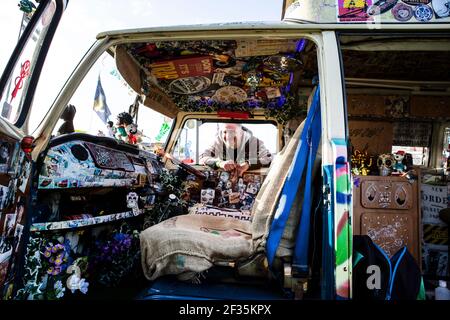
190, 244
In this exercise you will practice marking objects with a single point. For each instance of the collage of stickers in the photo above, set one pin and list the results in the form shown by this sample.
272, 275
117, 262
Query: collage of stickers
15, 171
220, 191
222, 73
78, 164
400, 10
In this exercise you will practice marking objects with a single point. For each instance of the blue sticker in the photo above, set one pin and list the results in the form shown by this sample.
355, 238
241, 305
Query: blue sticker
423, 13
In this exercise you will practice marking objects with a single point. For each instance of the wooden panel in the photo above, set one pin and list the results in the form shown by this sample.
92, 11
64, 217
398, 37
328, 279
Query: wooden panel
375, 136
430, 106
389, 230
363, 105
387, 210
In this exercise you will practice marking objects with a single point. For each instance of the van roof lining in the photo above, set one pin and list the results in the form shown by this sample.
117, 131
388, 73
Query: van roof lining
221, 74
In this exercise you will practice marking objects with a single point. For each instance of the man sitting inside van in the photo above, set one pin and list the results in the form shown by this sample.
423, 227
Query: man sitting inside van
235, 149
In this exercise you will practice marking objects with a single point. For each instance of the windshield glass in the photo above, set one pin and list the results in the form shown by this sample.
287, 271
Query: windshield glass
203, 142
104, 102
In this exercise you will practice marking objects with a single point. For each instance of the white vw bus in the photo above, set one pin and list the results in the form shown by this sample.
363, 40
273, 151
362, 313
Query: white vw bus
338, 117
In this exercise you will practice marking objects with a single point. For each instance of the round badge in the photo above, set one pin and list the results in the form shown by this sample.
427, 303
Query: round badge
189, 85
402, 12
423, 13
230, 94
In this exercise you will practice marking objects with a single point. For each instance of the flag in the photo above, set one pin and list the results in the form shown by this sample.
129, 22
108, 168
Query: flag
100, 105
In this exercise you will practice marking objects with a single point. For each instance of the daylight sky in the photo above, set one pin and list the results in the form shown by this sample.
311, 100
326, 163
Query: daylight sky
83, 19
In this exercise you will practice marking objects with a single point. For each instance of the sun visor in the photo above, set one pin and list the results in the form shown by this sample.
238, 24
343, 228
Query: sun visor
156, 99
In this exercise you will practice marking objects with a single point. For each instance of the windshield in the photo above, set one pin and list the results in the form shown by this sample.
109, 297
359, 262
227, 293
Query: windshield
198, 139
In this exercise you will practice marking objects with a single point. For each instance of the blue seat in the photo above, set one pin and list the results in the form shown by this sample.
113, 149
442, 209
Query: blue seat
169, 288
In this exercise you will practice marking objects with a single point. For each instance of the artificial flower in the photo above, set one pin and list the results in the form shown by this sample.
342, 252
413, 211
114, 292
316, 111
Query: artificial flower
83, 286
59, 288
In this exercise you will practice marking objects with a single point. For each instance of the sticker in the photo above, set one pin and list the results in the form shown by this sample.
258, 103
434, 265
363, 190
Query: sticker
272, 92
189, 85
423, 13
5, 255
8, 227
18, 236
230, 94
441, 8
20, 210
234, 197
218, 78
417, 2
251, 48
6, 110
402, 12
353, 10
252, 188
381, 6
182, 68
207, 196
224, 176
24, 176
5, 155
132, 201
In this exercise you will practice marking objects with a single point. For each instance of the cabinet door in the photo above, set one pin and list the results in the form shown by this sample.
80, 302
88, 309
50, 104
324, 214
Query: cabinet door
386, 194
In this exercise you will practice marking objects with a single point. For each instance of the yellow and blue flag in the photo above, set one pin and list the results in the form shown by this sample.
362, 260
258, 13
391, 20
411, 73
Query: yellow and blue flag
100, 105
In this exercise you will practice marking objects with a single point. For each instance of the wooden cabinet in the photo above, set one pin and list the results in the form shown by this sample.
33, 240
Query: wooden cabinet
387, 210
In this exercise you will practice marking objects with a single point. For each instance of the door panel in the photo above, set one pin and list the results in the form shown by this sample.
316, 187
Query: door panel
17, 86
15, 172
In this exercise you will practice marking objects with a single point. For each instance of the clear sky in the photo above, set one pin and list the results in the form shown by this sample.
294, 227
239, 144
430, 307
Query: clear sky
83, 19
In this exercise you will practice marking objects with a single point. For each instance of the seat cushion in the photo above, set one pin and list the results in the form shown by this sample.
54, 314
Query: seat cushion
190, 244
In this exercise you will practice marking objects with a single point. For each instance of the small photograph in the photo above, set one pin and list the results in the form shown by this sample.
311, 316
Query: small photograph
18, 236
5, 155
9, 193
20, 210
8, 227
23, 178
4, 191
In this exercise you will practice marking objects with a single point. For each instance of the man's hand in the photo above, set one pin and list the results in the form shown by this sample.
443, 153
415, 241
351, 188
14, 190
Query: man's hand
229, 165
241, 168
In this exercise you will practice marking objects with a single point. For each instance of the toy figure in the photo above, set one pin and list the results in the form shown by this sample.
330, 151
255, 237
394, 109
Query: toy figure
399, 166
125, 129
385, 163
131, 131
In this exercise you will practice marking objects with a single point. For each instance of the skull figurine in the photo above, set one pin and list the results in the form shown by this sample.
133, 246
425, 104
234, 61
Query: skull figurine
385, 163
132, 201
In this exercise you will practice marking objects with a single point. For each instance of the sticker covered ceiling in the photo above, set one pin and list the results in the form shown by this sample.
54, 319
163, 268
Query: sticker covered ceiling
222, 74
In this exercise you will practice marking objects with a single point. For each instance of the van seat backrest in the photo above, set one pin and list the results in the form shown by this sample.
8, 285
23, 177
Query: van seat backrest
267, 200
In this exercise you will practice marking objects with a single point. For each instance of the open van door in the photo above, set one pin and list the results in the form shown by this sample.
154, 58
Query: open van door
17, 87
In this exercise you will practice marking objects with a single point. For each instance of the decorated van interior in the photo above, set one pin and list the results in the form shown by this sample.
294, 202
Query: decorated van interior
232, 161
121, 203
398, 102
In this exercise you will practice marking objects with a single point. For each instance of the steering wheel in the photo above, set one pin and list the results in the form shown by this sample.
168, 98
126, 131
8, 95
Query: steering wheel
192, 170
186, 167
